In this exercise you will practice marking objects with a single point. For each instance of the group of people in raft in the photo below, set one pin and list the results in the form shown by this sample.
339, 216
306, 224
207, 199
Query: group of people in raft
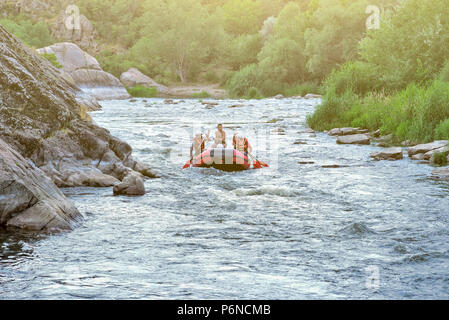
239, 142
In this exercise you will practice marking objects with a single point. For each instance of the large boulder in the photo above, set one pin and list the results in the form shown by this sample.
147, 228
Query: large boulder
83, 34
388, 154
430, 153
354, 139
132, 185
29, 199
133, 77
424, 148
42, 121
86, 72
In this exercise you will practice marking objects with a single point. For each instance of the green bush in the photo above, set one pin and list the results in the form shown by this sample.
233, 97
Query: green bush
36, 35
359, 77
142, 92
211, 76
201, 95
303, 89
440, 158
332, 113
442, 130
53, 59
243, 80
444, 73
253, 93
417, 113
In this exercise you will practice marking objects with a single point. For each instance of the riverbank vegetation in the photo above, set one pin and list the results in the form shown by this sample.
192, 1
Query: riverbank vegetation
393, 77
399, 81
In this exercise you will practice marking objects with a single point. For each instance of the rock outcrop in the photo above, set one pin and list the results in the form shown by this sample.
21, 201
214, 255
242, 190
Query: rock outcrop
42, 120
133, 77
424, 148
354, 139
83, 34
388, 154
28, 198
86, 72
132, 185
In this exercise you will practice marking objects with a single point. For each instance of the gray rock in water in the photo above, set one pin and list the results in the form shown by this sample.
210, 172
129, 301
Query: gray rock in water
42, 120
86, 72
343, 131
133, 77
388, 154
132, 185
418, 157
424, 148
312, 96
430, 154
441, 174
29, 199
354, 139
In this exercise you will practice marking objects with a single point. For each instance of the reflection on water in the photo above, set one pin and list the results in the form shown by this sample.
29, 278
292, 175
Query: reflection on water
313, 225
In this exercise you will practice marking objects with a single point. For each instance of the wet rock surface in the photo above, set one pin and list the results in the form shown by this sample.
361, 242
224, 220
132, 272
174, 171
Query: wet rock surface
394, 153
42, 121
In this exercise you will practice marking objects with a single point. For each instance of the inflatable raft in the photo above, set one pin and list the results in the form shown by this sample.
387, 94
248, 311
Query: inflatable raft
223, 159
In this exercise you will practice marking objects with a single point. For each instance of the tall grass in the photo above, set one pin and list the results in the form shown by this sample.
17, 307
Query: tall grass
142, 92
419, 114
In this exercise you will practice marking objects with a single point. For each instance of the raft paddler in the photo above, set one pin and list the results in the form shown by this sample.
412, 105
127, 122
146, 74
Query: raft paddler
198, 144
241, 144
220, 137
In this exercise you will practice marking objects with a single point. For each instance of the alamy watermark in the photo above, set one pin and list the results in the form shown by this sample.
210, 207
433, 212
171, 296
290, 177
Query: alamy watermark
372, 281
373, 21
72, 20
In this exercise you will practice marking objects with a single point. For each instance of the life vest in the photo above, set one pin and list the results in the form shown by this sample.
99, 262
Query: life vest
199, 147
241, 144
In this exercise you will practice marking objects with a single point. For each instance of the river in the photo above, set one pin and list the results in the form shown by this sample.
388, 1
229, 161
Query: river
362, 229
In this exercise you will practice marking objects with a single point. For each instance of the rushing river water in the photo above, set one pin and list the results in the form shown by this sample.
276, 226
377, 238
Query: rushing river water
295, 230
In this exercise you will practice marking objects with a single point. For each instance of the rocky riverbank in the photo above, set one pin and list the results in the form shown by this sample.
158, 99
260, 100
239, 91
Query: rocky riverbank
47, 140
425, 153
85, 71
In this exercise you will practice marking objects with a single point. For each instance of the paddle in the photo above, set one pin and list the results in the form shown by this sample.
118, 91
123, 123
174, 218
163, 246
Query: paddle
188, 163
258, 164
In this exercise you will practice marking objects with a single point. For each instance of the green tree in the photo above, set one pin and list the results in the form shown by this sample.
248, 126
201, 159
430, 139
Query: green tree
243, 16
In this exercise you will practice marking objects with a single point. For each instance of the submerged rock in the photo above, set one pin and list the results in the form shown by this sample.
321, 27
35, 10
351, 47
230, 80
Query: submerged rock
388, 154
354, 139
441, 174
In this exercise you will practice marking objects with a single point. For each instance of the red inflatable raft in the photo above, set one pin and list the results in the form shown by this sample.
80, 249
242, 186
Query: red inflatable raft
223, 159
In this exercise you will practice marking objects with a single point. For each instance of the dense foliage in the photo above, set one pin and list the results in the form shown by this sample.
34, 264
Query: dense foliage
399, 81
393, 78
